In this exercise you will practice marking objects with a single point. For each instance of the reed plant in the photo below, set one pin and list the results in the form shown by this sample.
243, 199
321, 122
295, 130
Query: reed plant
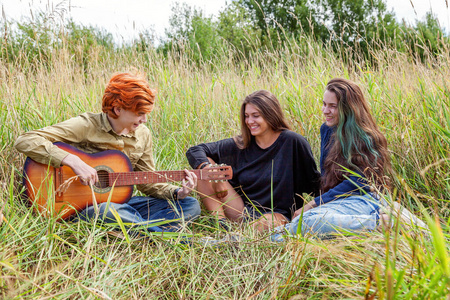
44, 258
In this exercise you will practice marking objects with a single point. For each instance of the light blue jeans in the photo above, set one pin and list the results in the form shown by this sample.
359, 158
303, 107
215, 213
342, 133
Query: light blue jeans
351, 214
147, 213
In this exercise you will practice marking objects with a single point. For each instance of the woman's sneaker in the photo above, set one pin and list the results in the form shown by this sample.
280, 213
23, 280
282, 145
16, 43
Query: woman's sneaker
405, 216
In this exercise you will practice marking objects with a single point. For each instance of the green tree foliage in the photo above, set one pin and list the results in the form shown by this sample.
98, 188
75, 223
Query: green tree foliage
344, 23
146, 41
248, 25
357, 23
430, 38
191, 31
205, 37
81, 41
30, 40
235, 27
279, 20
35, 41
353, 28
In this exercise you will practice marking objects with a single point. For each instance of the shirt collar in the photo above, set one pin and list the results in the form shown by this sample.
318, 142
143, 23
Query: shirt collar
106, 126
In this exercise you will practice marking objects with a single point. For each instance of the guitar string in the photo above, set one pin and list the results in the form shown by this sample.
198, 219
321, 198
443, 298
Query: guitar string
131, 178
155, 173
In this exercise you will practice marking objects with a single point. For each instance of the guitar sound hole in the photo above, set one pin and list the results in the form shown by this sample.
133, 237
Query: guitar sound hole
103, 179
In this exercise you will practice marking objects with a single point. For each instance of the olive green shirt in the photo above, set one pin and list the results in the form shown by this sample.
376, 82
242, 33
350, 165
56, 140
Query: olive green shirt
91, 133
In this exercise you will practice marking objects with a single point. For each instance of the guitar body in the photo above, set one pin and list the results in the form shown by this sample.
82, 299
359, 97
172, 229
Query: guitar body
58, 191
42, 183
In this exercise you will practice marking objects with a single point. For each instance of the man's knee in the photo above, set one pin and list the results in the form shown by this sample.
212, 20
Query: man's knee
103, 211
107, 207
191, 208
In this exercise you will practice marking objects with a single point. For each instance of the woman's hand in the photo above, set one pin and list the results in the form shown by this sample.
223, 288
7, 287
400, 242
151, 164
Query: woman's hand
187, 185
305, 208
86, 174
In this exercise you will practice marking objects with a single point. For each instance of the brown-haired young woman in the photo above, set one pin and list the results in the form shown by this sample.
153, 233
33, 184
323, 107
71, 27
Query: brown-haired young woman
272, 166
354, 161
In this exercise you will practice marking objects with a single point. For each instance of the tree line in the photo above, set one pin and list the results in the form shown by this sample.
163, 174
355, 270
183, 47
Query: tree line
351, 28
355, 26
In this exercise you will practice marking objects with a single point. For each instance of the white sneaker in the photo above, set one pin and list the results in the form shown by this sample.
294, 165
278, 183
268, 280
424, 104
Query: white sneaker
405, 216
229, 238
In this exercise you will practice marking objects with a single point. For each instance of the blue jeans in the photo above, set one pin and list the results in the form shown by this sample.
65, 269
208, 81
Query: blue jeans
146, 212
354, 213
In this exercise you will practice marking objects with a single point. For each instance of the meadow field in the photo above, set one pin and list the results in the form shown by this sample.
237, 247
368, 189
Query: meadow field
44, 258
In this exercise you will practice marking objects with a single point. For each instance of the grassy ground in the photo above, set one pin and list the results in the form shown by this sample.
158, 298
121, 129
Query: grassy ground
42, 258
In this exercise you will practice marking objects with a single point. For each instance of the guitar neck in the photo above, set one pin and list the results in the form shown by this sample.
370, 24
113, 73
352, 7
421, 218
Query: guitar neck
132, 178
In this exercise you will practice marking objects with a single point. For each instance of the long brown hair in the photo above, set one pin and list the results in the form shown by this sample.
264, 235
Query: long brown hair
357, 144
270, 109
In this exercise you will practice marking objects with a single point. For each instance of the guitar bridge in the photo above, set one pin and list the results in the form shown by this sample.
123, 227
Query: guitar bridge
58, 182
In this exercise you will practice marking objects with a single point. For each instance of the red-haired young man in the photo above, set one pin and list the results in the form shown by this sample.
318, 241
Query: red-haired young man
126, 102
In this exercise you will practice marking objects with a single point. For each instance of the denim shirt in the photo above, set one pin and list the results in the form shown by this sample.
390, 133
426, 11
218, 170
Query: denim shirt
354, 185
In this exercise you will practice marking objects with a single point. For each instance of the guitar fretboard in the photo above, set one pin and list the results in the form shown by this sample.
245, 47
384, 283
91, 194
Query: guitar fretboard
132, 178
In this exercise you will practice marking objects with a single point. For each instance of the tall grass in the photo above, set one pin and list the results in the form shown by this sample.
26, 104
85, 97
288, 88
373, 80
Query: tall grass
43, 258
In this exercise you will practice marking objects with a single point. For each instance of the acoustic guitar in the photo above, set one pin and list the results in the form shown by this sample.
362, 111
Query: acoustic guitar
58, 192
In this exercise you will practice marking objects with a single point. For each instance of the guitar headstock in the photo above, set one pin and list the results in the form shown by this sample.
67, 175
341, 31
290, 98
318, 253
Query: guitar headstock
216, 173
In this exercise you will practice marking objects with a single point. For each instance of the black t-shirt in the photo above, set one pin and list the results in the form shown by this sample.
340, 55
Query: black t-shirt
287, 166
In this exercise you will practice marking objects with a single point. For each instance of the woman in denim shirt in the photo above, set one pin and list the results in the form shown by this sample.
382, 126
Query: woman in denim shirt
354, 160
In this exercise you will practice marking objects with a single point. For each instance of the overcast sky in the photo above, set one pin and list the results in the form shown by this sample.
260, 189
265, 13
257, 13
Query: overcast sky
126, 18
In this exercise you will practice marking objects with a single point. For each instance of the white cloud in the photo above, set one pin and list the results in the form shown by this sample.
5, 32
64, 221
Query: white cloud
411, 10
